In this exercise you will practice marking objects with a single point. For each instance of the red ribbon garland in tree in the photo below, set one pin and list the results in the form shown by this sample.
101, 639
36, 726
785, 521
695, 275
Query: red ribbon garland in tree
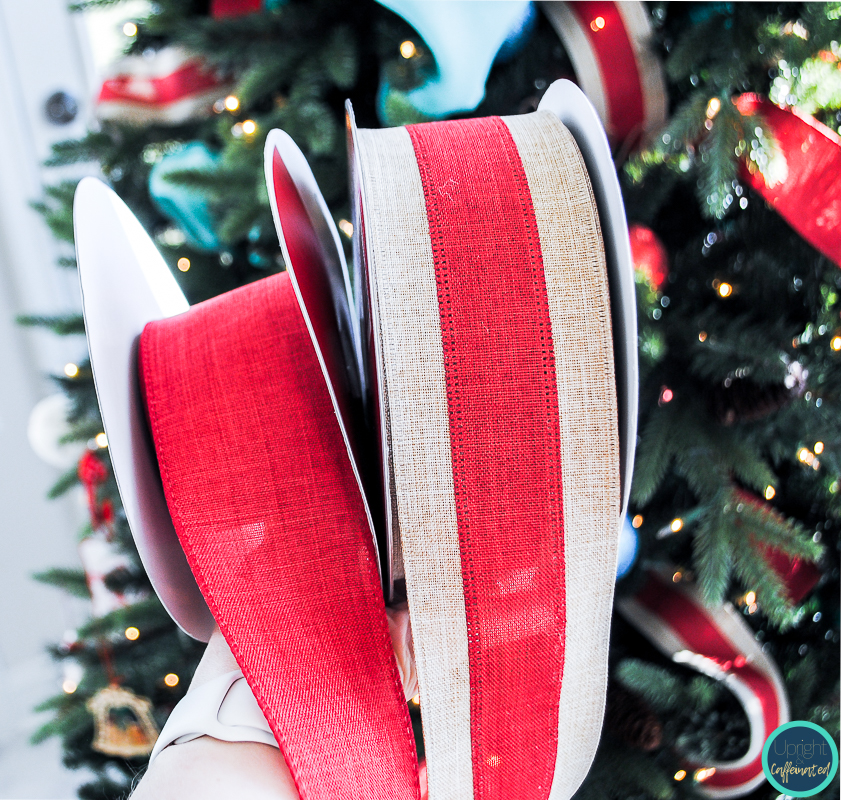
799, 577
609, 46
171, 87
718, 643
808, 198
234, 8
92, 472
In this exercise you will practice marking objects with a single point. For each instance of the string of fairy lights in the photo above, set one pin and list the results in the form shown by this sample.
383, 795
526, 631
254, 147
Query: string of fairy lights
73, 677
247, 130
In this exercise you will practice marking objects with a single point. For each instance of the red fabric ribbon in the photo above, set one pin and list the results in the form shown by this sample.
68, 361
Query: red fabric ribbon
505, 442
266, 507
798, 576
92, 472
190, 79
234, 8
808, 199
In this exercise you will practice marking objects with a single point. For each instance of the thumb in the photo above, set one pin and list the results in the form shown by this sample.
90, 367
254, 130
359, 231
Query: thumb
400, 629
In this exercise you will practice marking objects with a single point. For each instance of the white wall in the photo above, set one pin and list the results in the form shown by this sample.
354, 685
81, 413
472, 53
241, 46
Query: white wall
42, 50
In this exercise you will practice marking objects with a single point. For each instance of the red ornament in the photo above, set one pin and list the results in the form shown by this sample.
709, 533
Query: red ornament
220, 9
649, 255
808, 197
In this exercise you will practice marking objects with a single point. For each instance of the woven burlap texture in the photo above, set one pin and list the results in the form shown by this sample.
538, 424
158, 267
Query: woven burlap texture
401, 265
404, 288
579, 306
267, 509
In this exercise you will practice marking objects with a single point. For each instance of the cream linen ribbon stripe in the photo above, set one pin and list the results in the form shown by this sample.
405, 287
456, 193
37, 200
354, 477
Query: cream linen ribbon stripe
404, 287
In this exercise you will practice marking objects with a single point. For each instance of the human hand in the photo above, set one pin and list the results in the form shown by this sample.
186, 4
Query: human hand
211, 769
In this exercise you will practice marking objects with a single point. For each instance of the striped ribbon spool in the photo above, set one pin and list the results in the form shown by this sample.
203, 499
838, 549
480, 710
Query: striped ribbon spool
491, 325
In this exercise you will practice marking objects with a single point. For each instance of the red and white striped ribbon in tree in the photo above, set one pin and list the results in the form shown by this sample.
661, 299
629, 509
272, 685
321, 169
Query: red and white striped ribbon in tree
170, 87
610, 49
717, 643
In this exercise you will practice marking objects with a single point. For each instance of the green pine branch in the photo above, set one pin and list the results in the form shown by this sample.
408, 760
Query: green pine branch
719, 168
60, 324
657, 446
75, 151
147, 615
711, 553
659, 686
93, 4
70, 717
57, 209
64, 484
703, 453
728, 542
744, 347
72, 581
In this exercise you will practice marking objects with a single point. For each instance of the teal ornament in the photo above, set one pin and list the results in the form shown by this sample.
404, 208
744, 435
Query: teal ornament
186, 206
259, 260
628, 548
701, 13
465, 37
518, 36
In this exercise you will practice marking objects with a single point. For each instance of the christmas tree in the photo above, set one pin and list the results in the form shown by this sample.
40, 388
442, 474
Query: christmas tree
736, 489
